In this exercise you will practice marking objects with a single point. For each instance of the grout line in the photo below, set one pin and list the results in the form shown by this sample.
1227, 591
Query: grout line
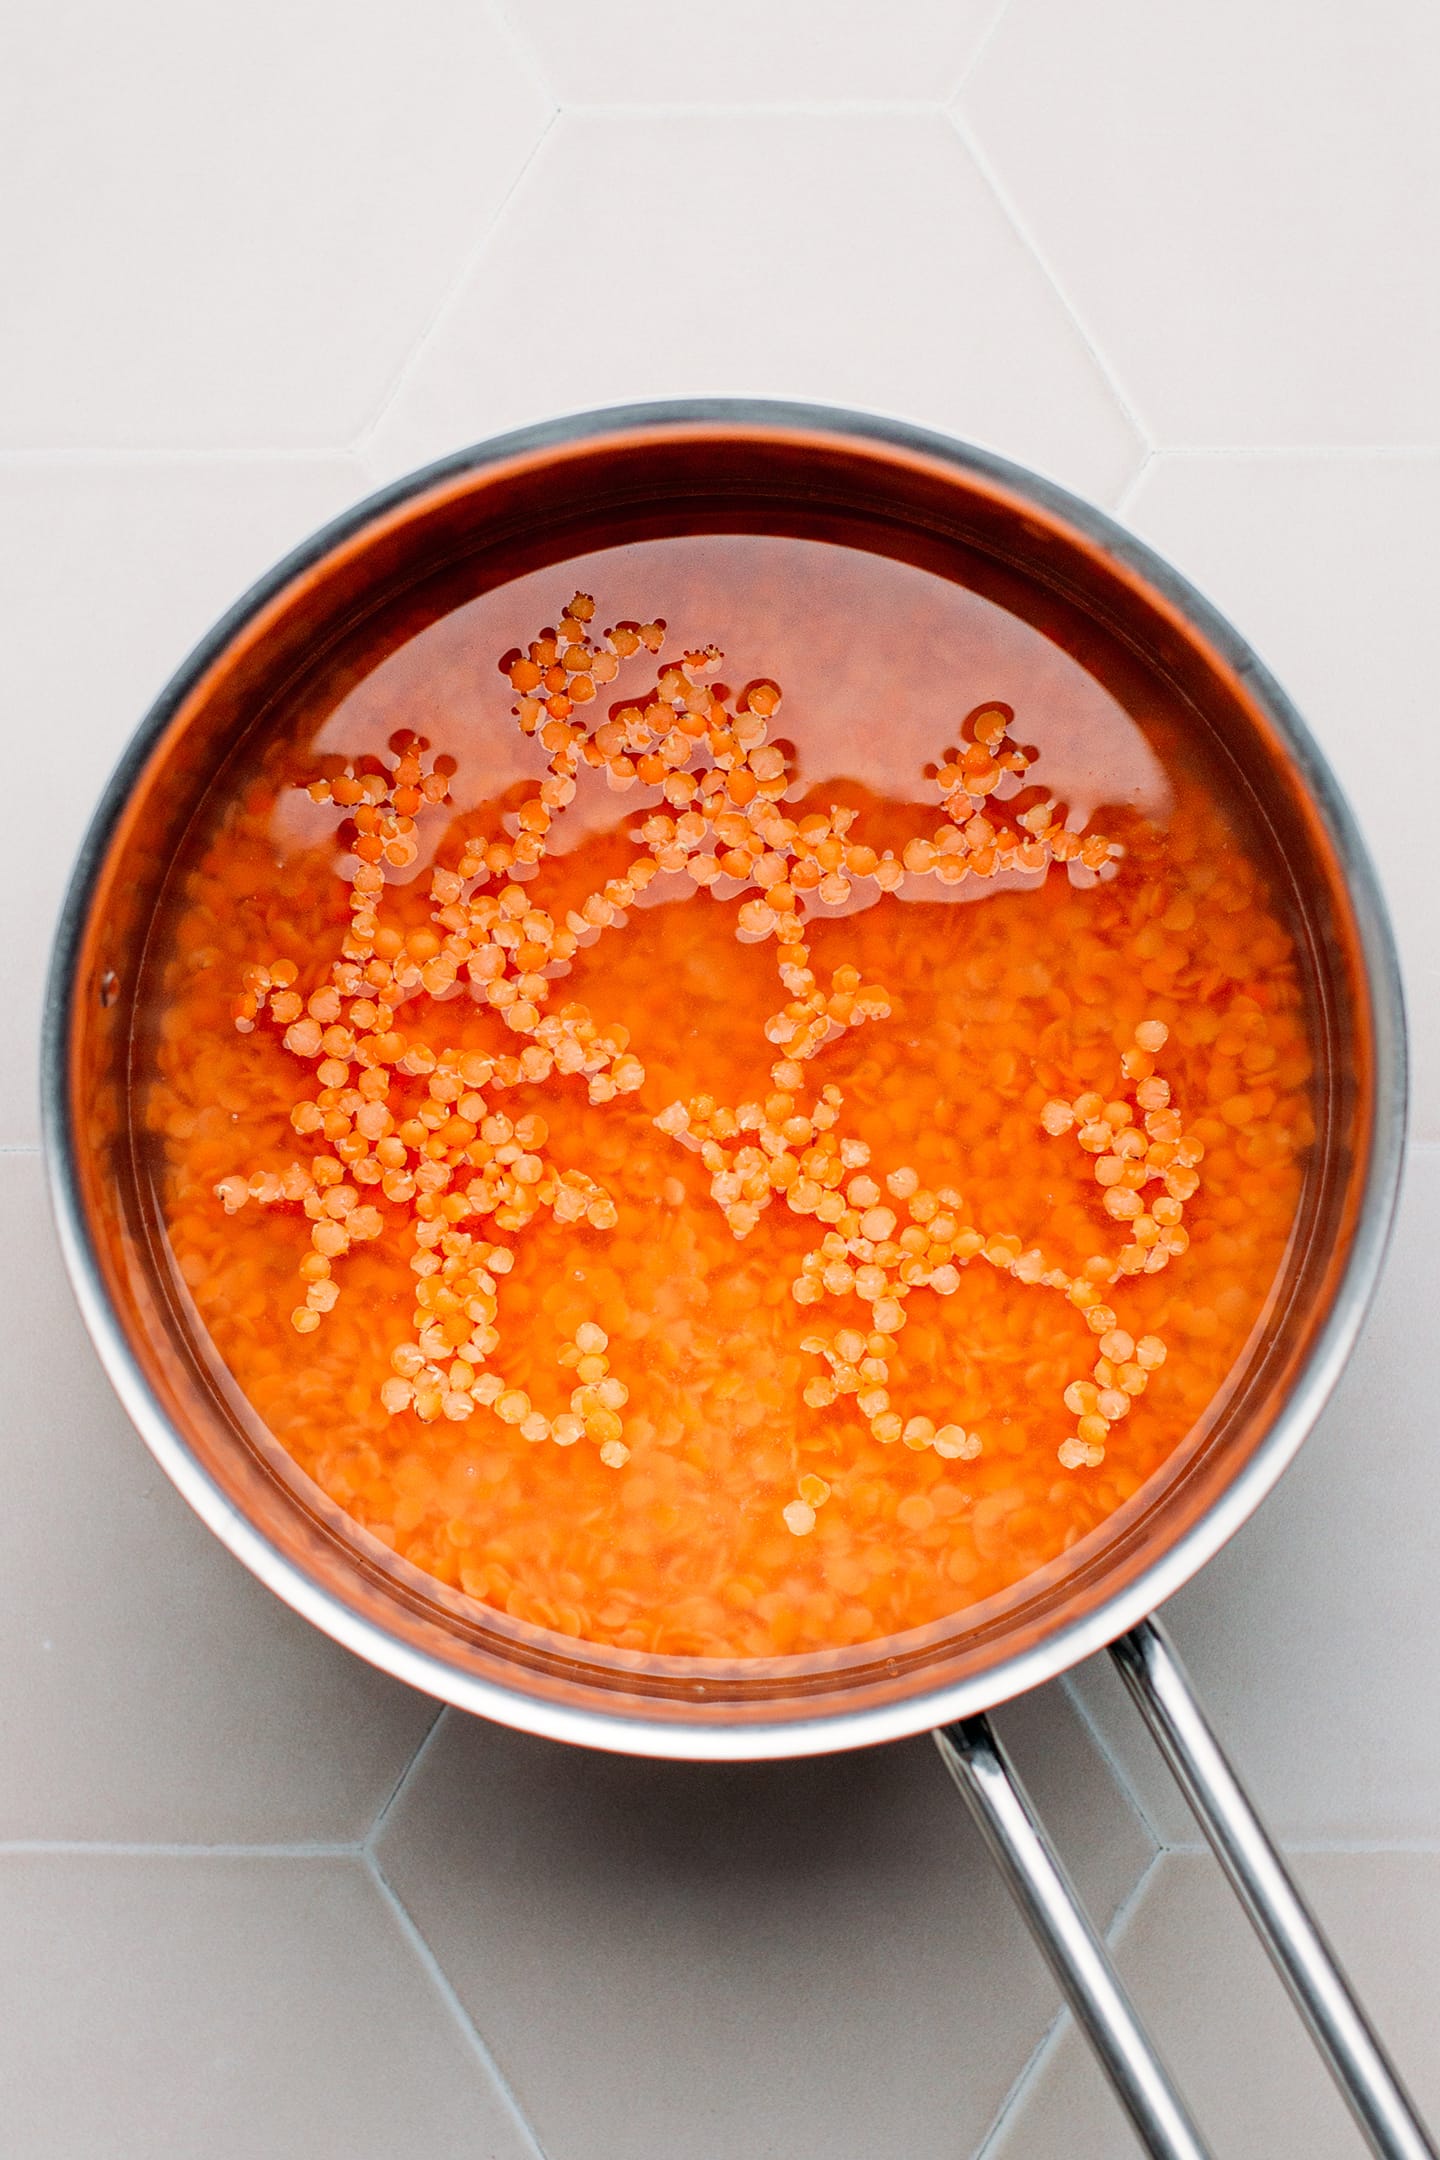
1132, 486
522, 51
1042, 261
371, 1838
469, 262
1043, 2049
1063, 2019
105, 1849
444, 1987
1198, 1847
1114, 1933
744, 109
20, 1147
979, 51
1112, 1761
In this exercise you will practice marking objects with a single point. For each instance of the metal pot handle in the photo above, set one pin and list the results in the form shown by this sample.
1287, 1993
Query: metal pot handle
1305, 1961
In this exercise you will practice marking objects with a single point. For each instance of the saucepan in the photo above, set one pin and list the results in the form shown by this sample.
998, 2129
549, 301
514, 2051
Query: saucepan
541, 496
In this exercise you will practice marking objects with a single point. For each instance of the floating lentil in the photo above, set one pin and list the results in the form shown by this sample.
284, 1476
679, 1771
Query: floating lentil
991, 1220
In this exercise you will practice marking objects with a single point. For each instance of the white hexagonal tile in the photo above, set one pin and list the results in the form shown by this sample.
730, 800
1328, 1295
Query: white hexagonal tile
164, 2008
1327, 565
1241, 201
234, 229
1225, 2025
153, 1690
676, 1961
750, 52
856, 260
112, 569
1315, 1636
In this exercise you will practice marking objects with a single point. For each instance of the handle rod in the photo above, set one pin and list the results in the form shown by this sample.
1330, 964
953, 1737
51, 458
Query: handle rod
1306, 1963
1043, 1891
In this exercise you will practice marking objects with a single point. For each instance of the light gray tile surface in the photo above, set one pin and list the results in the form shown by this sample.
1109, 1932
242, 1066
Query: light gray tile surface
675, 1962
854, 259
1222, 2020
1238, 199
152, 1689
1135, 234
1329, 563
234, 229
807, 52
111, 570
239, 2009
1315, 1635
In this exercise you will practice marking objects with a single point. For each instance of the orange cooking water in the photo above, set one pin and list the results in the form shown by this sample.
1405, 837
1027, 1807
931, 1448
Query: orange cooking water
714, 1170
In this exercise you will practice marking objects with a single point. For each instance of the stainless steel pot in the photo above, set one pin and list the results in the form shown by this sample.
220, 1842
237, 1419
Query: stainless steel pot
539, 496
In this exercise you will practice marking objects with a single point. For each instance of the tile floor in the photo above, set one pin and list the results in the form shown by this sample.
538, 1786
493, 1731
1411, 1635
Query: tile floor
260, 263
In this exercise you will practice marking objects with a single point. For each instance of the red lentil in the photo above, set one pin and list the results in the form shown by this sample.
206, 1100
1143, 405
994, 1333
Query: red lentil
618, 1332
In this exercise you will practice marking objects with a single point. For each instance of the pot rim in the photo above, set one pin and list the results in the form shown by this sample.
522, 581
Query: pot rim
1061, 1646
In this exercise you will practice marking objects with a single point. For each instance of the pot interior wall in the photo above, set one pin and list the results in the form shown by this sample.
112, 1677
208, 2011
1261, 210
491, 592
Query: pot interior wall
360, 594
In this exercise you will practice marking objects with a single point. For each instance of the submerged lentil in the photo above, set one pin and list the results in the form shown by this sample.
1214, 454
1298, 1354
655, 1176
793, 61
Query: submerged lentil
1009, 1193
